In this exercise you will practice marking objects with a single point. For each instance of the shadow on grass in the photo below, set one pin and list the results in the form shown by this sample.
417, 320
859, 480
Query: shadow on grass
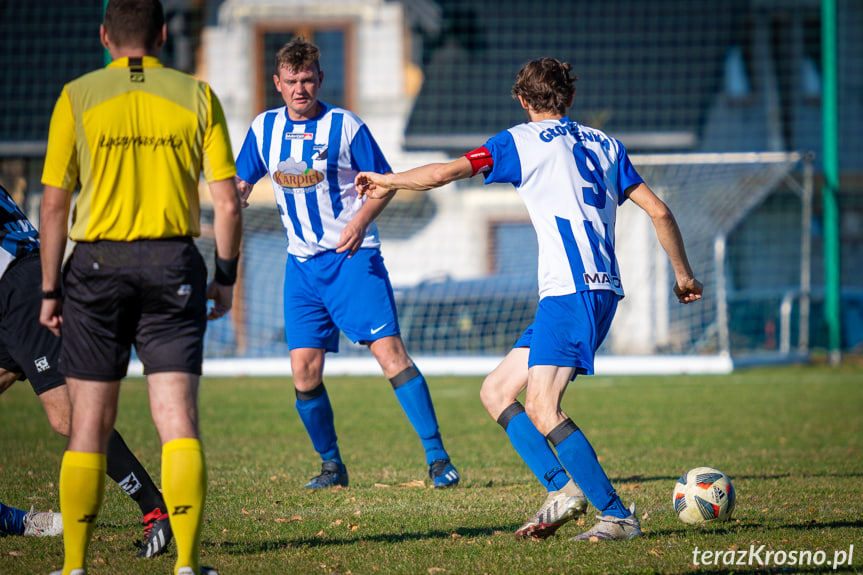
253, 548
808, 525
759, 476
777, 569
746, 526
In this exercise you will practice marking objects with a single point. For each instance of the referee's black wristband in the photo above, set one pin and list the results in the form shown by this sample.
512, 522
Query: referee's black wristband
53, 294
226, 271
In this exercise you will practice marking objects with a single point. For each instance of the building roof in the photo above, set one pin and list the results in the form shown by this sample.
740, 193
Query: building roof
647, 70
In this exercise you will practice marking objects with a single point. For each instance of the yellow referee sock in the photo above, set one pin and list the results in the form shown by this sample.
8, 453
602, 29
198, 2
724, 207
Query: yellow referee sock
184, 487
82, 487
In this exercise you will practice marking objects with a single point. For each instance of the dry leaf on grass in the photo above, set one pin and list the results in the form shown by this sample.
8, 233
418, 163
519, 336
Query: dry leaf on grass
16, 553
104, 537
382, 486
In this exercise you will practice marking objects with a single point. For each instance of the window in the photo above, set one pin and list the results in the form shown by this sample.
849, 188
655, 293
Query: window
513, 248
335, 41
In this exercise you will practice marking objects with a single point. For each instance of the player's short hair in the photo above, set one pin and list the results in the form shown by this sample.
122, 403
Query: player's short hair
546, 85
298, 54
135, 23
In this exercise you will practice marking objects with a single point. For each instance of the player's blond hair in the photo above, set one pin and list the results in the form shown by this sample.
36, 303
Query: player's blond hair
546, 85
298, 54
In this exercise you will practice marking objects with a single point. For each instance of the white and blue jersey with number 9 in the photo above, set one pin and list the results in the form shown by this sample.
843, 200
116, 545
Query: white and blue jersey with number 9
571, 178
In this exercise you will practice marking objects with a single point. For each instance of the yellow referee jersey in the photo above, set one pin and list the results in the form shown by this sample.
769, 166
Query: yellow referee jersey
136, 137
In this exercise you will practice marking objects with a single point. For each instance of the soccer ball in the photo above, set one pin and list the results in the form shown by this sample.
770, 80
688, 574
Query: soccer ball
703, 494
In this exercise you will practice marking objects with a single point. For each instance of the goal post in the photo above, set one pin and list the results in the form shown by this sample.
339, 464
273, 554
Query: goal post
746, 220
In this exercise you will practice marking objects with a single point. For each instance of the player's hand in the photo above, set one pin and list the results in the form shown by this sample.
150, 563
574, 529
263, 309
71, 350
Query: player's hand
372, 185
51, 315
351, 238
223, 299
688, 291
244, 190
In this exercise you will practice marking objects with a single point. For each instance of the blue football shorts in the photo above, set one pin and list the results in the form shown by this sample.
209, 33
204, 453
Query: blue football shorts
568, 329
331, 292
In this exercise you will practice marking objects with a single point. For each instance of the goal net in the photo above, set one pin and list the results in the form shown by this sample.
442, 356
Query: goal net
463, 265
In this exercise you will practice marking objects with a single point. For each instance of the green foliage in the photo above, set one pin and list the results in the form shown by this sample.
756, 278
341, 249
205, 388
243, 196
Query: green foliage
789, 438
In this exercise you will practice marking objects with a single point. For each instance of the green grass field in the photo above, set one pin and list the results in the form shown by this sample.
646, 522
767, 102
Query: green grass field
791, 439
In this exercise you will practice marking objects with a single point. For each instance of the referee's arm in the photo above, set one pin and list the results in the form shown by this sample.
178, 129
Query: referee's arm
53, 218
227, 229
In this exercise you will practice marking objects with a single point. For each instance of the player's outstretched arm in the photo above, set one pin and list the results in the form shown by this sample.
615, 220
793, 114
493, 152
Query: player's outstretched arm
227, 229
686, 287
422, 178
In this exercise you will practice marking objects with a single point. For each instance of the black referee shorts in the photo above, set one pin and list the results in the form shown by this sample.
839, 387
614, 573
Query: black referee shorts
26, 346
146, 293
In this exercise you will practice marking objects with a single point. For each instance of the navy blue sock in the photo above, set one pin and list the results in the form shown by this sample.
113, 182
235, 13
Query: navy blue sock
579, 458
11, 520
533, 447
412, 391
316, 413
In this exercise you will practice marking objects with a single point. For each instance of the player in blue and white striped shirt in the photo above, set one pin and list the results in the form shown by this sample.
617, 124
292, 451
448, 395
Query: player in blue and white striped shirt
311, 152
571, 178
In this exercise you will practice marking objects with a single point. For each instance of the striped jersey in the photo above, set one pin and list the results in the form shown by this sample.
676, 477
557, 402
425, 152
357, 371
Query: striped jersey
18, 237
571, 178
136, 137
312, 164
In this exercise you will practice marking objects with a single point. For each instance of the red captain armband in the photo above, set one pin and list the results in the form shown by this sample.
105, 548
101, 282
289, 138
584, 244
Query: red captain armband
480, 160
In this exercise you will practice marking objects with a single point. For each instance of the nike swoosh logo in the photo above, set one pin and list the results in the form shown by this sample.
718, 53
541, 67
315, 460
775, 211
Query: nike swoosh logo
377, 329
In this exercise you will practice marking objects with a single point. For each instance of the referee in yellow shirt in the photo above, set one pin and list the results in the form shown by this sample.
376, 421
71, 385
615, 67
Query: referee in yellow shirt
134, 138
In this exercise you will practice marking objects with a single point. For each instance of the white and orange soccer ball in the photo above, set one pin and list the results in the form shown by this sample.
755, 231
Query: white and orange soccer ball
703, 494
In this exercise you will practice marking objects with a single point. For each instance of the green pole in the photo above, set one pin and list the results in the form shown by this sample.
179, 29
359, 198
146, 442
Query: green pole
830, 153
107, 55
